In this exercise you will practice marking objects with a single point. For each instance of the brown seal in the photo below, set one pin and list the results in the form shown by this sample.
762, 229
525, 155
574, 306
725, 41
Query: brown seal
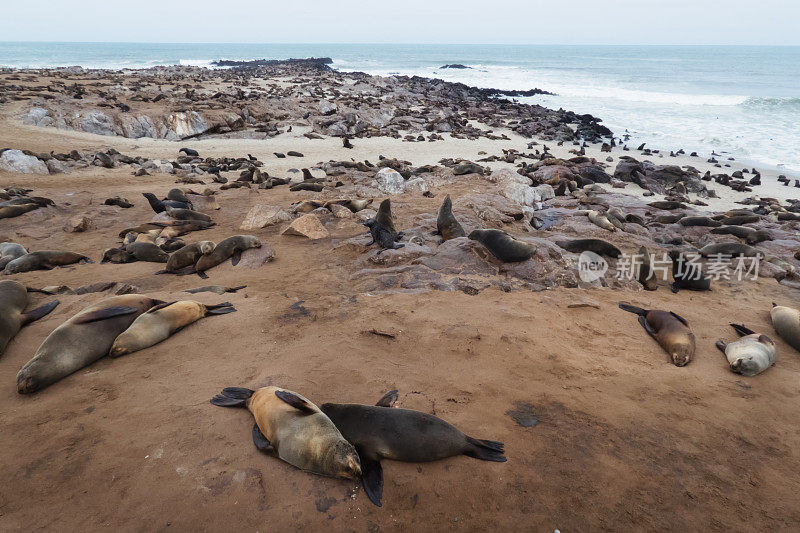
147, 251
446, 224
188, 255
502, 245
230, 247
13, 301
10, 251
381, 432
161, 321
43, 260
597, 246
295, 429
81, 340
645, 275
670, 330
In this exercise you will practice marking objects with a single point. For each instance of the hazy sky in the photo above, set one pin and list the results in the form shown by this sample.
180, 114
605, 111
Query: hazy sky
408, 21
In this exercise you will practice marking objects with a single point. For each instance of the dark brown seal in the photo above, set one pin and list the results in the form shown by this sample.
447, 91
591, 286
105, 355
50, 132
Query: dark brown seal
670, 330
13, 301
382, 228
446, 224
502, 245
382, 432
230, 247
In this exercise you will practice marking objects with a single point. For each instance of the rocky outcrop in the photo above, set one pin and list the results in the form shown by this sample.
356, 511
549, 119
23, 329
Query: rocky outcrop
16, 161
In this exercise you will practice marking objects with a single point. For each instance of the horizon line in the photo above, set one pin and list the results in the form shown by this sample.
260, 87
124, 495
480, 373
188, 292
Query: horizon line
399, 43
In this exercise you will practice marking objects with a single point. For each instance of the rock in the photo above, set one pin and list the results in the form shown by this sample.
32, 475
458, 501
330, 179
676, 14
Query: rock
366, 214
38, 116
251, 258
340, 211
78, 224
98, 123
308, 226
262, 215
327, 108
57, 167
517, 188
390, 181
417, 184
16, 161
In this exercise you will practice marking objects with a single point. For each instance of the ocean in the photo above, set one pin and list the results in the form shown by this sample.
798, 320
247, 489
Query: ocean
738, 101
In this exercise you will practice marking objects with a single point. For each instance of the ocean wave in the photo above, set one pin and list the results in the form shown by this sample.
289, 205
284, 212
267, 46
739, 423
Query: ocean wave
196, 62
787, 103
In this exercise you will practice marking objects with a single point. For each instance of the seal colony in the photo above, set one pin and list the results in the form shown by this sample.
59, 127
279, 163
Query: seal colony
436, 249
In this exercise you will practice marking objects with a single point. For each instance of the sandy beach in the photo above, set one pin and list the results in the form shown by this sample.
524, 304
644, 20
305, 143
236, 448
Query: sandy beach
601, 431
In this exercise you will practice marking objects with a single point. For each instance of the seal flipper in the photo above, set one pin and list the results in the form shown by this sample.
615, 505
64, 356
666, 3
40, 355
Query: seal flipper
679, 317
262, 443
647, 327
39, 312
235, 258
103, 314
742, 330
201, 274
162, 305
220, 309
486, 450
296, 402
721, 345
388, 399
633, 309
232, 397
371, 477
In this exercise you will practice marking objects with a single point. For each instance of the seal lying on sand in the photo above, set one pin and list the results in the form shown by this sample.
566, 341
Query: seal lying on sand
10, 251
43, 260
295, 429
670, 330
161, 321
502, 245
750, 355
13, 300
786, 321
382, 228
188, 255
81, 340
381, 432
687, 275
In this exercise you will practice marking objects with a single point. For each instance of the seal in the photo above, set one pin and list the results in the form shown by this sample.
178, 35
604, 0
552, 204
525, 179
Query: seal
600, 220
502, 245
188, 255
382, 432
43, 260
13, 301
81, 340
10, 251
11, 211
160, 322
671, 332
687, 275
189, 152
699, 221
186, 214
646, 275
733, 249
147, 251
382, 228
216, 289
117, 255
668, 219
446, 224
159, 206
667, 205
294, 429
751, 354
230, 247
786, 321
738, 220
597, 246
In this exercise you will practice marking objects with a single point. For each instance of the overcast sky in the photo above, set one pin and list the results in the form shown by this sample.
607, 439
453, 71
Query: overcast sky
408, 21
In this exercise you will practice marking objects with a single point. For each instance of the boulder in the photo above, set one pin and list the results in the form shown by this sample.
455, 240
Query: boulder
262, 215
16, 161
390, 181
78, 224
57, 167
38, 116
308, 226
98, 123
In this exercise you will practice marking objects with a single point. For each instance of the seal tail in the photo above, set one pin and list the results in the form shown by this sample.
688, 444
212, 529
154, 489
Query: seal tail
742, 330
39, 312
232, 397
633, 309
486, 450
